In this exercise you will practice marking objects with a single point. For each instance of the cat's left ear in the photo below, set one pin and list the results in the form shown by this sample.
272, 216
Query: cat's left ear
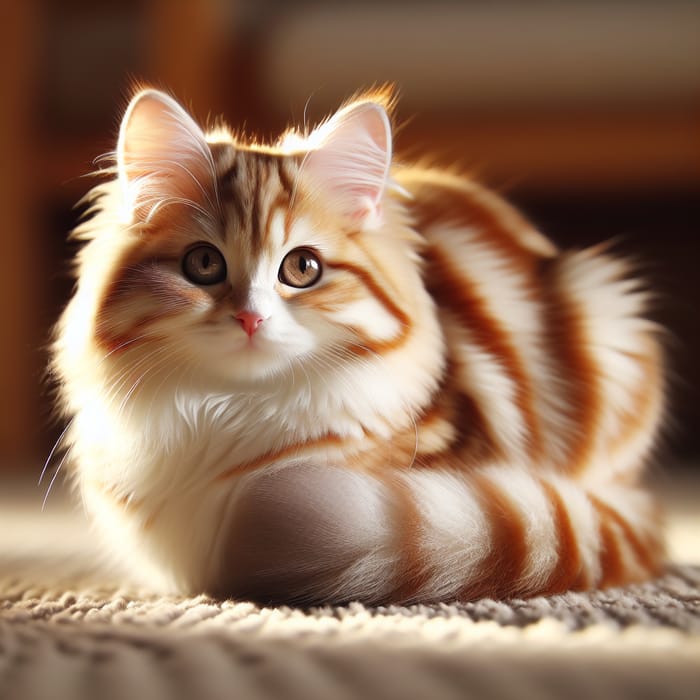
350, 159
162, 156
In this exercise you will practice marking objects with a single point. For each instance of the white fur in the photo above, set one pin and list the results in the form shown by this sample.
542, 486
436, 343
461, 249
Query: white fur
584, 523
456, 535
533, 510
491, 387
616, 334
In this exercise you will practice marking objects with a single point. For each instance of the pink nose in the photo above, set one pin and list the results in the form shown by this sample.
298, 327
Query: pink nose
250, 320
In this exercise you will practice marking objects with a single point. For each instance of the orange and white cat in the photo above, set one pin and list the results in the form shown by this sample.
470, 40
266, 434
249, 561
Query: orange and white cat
307, 373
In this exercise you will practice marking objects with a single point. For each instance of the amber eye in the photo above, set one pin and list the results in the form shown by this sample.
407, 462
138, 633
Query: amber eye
300, 268
204, 264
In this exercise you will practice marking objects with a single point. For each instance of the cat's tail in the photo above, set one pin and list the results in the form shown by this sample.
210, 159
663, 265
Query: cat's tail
307, 534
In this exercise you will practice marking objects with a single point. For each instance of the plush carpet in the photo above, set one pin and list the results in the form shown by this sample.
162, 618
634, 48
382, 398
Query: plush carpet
67, 631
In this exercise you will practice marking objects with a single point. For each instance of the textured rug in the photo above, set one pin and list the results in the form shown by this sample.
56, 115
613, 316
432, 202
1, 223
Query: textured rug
67, 631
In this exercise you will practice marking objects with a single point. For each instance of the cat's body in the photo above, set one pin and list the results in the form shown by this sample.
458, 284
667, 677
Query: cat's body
294, 376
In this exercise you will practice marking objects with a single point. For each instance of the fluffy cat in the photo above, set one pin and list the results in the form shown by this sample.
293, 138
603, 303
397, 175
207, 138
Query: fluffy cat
305, 373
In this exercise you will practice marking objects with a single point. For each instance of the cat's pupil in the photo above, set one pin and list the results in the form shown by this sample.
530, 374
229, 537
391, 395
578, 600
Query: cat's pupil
204, 264
300, 268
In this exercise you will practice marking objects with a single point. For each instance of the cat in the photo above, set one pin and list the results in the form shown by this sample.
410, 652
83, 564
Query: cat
308, 373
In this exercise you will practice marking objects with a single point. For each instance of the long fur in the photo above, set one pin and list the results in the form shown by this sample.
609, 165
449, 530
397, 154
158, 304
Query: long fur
454, 408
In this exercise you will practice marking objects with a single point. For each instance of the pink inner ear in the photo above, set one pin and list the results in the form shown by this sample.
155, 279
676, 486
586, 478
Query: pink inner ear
162, 156
351, 164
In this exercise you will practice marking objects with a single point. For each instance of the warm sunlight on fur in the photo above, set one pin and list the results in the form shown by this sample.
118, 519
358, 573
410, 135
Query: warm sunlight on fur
302, 372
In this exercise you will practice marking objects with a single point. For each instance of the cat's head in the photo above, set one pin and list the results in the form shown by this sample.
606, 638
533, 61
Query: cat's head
242, 263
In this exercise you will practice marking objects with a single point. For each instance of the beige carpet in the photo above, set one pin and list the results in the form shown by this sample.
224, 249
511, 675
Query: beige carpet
68, 631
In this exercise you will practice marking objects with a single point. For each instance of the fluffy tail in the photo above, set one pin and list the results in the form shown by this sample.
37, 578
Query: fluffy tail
306, 534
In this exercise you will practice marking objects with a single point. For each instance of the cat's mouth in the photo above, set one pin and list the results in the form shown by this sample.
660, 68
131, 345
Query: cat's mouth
257, 343
228, 352
258, 348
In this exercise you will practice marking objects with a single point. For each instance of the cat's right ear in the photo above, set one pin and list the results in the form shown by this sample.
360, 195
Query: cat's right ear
162, 157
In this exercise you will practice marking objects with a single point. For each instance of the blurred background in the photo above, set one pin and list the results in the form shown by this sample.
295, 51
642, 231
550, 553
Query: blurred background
585, 114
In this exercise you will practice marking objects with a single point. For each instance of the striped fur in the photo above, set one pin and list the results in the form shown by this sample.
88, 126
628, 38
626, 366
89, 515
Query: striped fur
455, 409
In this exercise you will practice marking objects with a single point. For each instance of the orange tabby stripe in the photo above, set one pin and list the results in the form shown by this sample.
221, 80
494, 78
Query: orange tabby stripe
495, 222
121, 287
503, 227
432, 417
378, 456
254, 184
611, 565
243, 187
643, 552
458, 294
279, 203
473, 443
294, 450
134, 266
225, 157
286, 179
234, 202
569, 572
134, 337
370, 345
282, 200
503, 567
412, 573
567, 342
613, 570
327, 297
288, 184
475, 435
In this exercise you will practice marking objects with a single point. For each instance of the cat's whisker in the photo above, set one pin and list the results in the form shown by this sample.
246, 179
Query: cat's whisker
155, 361
53, 479
164, 380
329, 369
155, 204
120, 379
301, 366
416, 444
149, 359
54, 449
172, 166
123, 345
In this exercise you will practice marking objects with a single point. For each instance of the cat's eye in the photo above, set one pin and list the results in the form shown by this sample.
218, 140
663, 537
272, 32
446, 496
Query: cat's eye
300, 268
204, 264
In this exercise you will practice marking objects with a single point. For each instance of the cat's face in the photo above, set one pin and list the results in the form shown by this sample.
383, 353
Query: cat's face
243, 264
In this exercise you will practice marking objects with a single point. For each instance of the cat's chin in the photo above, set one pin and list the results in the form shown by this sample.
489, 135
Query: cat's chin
249, 367
243, 361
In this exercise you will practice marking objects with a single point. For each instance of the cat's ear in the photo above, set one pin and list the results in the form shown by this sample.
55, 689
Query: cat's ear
162, 156
350, 158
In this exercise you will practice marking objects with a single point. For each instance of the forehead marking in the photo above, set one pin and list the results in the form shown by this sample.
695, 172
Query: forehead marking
256, 186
